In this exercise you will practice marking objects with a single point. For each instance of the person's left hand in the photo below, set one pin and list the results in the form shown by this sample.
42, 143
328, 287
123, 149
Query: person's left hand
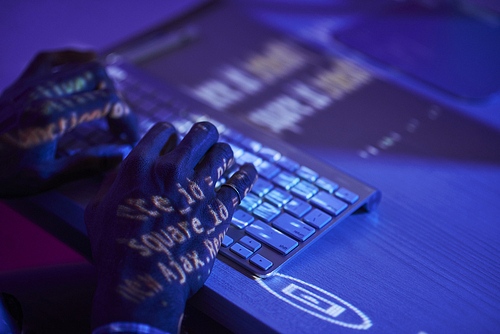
57, 92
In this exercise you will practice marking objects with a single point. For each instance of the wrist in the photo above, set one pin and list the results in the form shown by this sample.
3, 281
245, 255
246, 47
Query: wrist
127, 328
132, 300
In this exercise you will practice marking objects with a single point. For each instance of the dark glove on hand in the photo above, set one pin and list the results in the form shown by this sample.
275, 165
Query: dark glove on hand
57, 92
156, 231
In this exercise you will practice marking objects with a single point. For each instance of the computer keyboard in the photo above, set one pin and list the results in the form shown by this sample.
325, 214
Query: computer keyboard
295, 200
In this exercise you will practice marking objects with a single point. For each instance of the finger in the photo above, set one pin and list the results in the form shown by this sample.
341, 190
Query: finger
74, 78
195, 144
79, 87
24, 94
123, 123
159, 140
44, 68
46, 120
215, 162
88, 88
237, 187
44, 62
78, 105
87, 163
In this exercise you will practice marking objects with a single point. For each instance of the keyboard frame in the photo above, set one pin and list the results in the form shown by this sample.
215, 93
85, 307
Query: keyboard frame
61, 211
369, 197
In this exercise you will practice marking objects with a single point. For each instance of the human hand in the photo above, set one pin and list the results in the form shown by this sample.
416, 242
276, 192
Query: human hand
156, 231
57, 92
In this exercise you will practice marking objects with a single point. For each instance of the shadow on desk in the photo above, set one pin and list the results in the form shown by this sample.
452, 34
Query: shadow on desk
58, 300
54, 284
54, 299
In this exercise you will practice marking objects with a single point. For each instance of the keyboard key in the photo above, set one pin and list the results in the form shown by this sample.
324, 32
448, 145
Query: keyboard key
224, 139
262, 187
285, 180
317, 218
278, 197
250, 202
288, 164
271, 237
304, 190
326, 185
269, 154
227, 241
328, 203
147, 105
250, 145
161, 113
347, 195
233, 135
261, 262
230, 171
268, 170
241, 219
237, 151
241, 251
204, 118
250, 243
197, 117
293, 227
179, 107
132, 96
164, 98
266, 212
307, 173
297, 207
182, 125
220, 127
247, 157
146, 88
144, 125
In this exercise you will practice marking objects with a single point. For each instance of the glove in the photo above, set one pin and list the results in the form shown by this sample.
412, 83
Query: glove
57, 92
155, 231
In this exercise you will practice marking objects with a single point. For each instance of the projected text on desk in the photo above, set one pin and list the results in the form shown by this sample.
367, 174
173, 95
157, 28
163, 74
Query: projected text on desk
315, 301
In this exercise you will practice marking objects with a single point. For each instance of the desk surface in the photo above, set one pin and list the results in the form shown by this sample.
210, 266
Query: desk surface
426, 261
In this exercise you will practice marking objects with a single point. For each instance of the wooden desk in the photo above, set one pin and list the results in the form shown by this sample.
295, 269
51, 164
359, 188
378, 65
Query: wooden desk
427, 261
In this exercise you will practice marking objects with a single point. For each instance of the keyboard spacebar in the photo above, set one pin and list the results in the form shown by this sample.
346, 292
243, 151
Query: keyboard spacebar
271, 237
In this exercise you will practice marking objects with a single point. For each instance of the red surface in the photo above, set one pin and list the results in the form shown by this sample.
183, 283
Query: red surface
24, 245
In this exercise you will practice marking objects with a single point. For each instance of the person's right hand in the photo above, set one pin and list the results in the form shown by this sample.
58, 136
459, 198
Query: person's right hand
156, 230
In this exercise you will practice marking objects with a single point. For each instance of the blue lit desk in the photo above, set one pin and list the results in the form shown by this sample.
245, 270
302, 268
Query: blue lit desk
426, 261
